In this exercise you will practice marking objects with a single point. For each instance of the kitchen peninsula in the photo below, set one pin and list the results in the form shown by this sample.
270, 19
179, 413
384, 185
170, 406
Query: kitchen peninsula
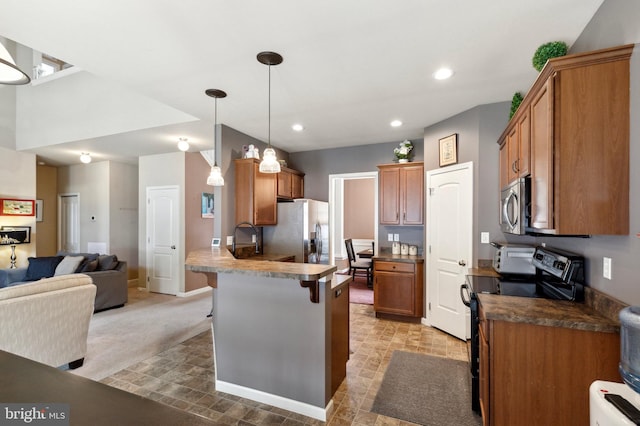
280, 329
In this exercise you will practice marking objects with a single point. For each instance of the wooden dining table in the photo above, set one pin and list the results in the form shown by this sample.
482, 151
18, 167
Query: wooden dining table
365, 254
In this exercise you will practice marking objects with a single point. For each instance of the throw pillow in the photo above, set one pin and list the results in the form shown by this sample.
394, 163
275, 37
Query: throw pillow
88, 257
68, 265
88, 266
42, 267
107, 262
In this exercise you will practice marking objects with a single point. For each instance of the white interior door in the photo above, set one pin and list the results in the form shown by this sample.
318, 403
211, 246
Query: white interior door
450, 248
69, 222
162, 240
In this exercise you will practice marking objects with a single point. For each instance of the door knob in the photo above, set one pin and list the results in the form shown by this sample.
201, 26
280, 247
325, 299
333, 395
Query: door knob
173, 247
462, 263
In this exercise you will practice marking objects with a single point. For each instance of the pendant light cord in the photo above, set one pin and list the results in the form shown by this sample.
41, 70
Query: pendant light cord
269, 132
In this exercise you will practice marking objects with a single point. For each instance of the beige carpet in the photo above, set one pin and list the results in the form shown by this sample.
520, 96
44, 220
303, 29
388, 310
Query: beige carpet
149, 324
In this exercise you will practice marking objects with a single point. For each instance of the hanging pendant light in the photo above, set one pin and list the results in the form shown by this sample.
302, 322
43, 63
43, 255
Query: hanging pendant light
9, 72
269, 163
215, 177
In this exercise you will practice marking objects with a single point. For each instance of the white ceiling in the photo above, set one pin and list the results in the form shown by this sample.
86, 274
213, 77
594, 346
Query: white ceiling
350, 66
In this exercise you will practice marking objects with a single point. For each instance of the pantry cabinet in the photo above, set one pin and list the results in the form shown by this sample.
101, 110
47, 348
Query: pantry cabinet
401, 193
255, 193
571, 135
398, 287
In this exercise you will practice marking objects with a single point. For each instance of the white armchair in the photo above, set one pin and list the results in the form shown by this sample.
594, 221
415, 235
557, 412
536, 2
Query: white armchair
48, 320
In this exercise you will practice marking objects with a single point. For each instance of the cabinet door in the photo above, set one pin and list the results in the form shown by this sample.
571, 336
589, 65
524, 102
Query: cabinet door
484, 377
542, 157
412, 190
514, 151
389, 196
297, 186
339, 336
393, 293
265, 207
284, 184
524, 143
504, 164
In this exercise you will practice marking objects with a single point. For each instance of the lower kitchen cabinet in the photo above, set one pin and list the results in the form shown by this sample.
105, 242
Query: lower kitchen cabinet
339, 335
540, 375
398, 288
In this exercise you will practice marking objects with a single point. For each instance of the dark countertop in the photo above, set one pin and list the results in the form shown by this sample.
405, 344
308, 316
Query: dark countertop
90, 403
217, 259
546, 312
405, 258
553, 313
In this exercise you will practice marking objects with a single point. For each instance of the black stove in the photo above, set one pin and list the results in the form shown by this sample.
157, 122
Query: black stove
559, 275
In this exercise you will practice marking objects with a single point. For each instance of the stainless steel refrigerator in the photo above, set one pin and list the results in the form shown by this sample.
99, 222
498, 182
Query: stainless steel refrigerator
302, 230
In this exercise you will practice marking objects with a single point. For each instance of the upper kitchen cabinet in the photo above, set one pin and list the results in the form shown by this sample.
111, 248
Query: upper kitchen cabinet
577, 116
401, 193
290, 184
255, 193
515, 148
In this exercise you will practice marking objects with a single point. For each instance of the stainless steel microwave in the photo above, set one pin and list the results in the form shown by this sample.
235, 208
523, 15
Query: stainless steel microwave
515, 206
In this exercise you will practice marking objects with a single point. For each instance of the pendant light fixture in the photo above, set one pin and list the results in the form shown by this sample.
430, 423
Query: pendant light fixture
269, 163
215, 177
9, 72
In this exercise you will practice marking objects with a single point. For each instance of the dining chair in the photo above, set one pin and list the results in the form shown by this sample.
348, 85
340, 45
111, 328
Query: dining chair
360, 267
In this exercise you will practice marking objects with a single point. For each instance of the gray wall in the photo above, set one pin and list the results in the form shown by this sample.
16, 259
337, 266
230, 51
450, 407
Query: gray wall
318, 165
478, 131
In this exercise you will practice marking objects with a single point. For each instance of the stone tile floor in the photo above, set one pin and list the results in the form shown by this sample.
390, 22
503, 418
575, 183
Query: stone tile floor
183, 377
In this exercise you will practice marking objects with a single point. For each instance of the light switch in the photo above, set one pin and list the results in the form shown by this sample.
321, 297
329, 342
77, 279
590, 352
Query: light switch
229, 240
484, 237
606, 267
396, 237
390, 236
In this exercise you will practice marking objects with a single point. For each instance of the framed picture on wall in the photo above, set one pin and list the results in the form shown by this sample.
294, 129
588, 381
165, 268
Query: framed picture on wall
17, 207
449, 150
207, 205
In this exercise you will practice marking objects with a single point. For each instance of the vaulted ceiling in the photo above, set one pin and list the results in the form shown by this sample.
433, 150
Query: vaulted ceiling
350, 67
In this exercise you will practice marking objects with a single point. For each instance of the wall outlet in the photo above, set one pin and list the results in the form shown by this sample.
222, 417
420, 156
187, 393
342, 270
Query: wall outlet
390, 237
396, 237
484, 237
606, 267
229, 240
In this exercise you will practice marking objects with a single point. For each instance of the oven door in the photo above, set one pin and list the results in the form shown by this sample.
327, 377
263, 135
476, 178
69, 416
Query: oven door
469, 299
513, 207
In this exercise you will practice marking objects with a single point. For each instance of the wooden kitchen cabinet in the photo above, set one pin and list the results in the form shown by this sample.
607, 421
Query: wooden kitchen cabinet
535, 374
576, 120
339, 335
515, 148
398, 288
255, 193
401, 193
290, 184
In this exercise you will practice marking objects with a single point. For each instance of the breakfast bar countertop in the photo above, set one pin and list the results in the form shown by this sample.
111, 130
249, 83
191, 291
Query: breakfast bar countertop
219, 259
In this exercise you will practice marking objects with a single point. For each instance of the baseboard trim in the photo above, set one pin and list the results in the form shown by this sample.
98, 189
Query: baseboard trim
305, 409
133, 283
194, 292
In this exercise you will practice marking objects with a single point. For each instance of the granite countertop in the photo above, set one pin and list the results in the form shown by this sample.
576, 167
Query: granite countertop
585, 316
218, 259
405, 258
553, 313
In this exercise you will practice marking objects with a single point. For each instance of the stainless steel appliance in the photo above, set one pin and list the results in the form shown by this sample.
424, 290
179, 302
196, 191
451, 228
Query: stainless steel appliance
558, 275
302, 230
513, 259
515, 206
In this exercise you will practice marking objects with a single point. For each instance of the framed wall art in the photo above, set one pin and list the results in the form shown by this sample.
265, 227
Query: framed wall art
207, 205
12, 207
449, 150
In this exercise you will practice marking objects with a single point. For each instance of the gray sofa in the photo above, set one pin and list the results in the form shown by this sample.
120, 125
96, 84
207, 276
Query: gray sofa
107, 272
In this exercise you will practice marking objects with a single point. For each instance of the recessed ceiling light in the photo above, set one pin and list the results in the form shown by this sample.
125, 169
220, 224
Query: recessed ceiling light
298, 127
396, 123
443, 74
183, 144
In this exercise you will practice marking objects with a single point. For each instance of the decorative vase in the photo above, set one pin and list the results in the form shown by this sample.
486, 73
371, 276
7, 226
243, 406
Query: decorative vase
403, 160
